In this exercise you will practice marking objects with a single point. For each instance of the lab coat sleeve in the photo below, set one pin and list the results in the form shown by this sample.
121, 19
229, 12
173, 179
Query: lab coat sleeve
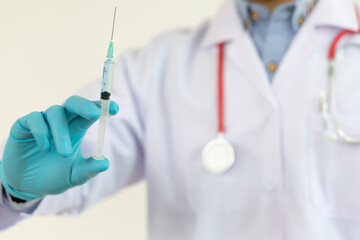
123, 148
11, 213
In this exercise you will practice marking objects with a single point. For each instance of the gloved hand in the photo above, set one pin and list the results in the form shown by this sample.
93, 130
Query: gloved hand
42, 155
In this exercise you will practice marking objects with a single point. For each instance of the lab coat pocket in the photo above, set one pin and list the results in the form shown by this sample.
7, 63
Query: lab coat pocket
334, 169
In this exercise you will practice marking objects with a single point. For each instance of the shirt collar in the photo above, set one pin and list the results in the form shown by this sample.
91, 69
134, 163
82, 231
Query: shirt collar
299, 11
227, 23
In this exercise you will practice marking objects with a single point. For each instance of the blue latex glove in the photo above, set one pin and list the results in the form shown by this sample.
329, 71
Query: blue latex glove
42, 155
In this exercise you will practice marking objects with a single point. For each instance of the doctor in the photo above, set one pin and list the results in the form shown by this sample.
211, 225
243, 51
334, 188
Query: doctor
251, 78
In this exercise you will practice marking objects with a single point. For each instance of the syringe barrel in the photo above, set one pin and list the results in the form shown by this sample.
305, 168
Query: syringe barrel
104, 105
104, 108
108, 73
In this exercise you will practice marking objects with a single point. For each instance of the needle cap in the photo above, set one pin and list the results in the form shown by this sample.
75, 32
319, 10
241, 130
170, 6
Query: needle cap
110, 51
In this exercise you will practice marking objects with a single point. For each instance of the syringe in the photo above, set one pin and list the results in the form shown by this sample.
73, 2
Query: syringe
105, 95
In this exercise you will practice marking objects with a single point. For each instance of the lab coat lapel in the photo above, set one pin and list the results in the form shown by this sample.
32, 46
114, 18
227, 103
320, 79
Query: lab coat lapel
329, 13
240, 51
303, 44
243, 54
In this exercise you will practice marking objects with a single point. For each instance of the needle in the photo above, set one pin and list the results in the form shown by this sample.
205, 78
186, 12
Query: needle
112, 32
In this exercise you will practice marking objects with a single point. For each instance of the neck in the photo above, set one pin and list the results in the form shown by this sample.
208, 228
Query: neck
271, 4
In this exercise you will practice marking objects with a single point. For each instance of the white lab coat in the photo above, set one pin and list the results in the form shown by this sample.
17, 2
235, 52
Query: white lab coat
289, 182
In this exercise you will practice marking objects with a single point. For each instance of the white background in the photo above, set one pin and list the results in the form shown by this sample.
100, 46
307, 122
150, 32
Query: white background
48, 50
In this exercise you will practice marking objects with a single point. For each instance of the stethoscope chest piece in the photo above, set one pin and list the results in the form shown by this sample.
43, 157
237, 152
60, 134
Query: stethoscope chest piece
218, 156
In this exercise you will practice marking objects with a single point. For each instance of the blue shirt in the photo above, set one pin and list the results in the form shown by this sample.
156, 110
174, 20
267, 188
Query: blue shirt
273, 31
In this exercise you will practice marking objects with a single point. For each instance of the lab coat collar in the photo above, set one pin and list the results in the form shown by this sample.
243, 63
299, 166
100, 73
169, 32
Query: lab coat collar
227, 23
223, 26
336, 13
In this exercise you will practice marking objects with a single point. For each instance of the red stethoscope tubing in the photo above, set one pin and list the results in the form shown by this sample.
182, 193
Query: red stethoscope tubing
221, 127
341, 35
331, 56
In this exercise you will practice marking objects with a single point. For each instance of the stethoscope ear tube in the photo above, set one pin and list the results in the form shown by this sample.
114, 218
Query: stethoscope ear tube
340, 134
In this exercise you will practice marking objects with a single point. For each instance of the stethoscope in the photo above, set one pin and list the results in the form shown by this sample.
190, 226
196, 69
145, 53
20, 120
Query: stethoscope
340, 134
218, 156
